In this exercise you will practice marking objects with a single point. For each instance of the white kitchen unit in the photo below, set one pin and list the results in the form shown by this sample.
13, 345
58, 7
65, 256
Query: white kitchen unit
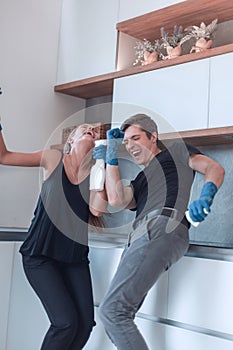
6, 262
179, 94
189, 307
102, 273
88, 39
221, 101
177, 339
200, 293
27, 320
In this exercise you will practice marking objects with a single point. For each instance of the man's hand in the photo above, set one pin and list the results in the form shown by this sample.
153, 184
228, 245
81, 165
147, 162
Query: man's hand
114, 140
199, 209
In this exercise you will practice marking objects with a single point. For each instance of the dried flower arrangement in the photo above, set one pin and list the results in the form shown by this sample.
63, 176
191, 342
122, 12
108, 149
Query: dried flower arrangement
204, 35
173, 43
147, 52
170, 45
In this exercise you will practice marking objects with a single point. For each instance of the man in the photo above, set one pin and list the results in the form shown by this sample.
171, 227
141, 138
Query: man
159, 195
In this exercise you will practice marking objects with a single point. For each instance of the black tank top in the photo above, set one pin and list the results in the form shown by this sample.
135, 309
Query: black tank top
59, 228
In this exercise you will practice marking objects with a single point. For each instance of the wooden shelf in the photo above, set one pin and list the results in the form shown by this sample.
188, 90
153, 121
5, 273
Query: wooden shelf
186, 13
102, 85
200, 137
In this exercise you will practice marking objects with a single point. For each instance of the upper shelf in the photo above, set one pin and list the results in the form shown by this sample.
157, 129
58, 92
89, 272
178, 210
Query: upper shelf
185, 13
148, 26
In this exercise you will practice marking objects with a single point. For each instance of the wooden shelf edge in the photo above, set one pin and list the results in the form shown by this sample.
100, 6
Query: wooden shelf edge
199, 137
102, 85
215, 51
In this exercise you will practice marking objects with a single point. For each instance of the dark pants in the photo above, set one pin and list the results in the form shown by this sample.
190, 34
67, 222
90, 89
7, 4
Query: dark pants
65, 291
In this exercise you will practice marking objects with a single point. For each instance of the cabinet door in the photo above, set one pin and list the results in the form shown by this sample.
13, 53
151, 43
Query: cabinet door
27, 320
6, 263
200, 294
177, 339
178, 94
88, 39
221, 101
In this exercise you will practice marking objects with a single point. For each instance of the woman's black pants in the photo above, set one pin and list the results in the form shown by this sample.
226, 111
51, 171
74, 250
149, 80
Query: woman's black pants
65, 291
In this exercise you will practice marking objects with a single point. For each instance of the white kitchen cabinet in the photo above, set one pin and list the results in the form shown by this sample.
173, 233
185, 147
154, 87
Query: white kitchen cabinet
88, 39
179, 95
177, 339
27, 321
200, 294
6, 262
189, 307
221, 101
155, 303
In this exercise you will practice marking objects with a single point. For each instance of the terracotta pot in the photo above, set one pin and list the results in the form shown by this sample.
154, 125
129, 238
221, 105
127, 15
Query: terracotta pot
173, 52
150, 57
201, 45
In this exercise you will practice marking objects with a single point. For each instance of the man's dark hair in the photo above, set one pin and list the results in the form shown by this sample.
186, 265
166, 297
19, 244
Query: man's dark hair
144, 121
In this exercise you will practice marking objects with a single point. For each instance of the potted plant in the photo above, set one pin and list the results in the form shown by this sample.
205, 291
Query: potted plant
204, 35
147, 52
173, 43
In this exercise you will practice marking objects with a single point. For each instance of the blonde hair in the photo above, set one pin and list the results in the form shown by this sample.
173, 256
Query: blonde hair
67, 145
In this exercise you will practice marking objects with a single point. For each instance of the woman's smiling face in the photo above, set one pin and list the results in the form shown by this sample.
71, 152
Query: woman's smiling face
88, 130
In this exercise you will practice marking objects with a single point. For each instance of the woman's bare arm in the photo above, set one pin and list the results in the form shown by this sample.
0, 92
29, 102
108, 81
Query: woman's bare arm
44, 158
98, 202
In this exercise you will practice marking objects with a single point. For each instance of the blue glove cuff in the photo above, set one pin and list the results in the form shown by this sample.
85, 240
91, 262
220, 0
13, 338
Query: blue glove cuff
112, 161
111, 154
0, 127
209, 190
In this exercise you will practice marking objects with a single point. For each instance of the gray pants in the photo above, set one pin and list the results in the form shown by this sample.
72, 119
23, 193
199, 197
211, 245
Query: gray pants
141, 264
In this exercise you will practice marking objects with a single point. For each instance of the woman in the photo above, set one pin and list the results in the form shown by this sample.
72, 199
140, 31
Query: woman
55, 251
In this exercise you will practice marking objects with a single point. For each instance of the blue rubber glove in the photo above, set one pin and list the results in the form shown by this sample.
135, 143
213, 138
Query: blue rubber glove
114, 140
99, 152
0, 127
200, 208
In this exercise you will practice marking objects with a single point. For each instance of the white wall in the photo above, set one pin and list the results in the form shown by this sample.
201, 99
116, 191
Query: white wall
130, 8
30, 110
88, 39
